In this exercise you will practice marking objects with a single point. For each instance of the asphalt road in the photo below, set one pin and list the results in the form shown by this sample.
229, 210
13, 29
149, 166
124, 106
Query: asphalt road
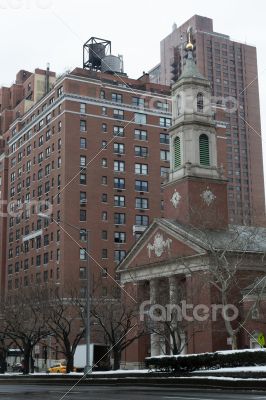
30, 392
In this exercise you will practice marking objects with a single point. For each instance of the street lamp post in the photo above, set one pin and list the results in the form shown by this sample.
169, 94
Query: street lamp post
88, 367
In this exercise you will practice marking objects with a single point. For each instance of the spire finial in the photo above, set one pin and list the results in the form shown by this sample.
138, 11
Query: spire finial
189, 46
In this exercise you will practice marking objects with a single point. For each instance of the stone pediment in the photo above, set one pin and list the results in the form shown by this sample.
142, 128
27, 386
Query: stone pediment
159, 243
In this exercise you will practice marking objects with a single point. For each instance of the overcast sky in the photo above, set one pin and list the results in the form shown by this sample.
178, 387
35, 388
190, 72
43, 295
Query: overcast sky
34, 32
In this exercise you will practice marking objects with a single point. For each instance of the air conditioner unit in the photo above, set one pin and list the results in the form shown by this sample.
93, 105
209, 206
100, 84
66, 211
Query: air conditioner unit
83, 201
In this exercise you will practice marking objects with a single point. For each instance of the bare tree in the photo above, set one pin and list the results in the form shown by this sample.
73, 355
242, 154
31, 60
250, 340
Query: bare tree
224, 268
66, 322
118, 322
25, 322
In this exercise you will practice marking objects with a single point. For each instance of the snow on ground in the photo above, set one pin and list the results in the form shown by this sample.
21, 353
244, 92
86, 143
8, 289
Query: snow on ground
257, 368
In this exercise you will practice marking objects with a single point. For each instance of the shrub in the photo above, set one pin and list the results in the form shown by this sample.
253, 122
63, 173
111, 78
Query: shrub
191, 362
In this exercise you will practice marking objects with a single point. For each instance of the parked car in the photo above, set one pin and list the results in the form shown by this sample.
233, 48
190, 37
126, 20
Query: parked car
58, 368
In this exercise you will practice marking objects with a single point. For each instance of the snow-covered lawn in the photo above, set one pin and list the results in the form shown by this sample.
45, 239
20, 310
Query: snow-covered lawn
258, 368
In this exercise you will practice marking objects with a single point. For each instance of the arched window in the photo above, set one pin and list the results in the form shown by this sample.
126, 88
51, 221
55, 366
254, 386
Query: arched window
204, 150
178, 104
200, 102
177, 152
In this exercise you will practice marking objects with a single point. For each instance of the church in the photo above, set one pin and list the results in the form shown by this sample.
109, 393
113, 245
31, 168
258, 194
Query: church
198, 280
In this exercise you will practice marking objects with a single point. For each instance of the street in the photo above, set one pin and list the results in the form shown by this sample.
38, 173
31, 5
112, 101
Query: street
45, 392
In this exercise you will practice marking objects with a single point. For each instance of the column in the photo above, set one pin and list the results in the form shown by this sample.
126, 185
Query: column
174, 302
155, 337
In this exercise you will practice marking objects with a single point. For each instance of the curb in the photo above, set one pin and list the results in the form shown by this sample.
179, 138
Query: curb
213, 383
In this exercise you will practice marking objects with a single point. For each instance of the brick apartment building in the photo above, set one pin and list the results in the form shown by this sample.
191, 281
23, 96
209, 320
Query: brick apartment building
231, 67
116, 125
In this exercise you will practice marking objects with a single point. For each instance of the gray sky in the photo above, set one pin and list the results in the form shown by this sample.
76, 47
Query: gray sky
34, 32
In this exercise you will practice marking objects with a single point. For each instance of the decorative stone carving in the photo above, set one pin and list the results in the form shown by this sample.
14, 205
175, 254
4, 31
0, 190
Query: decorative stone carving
175, 200
159, 245
207, 196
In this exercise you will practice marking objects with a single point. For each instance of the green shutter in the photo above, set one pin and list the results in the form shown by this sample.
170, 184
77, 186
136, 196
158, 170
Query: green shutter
177, 152
204, 150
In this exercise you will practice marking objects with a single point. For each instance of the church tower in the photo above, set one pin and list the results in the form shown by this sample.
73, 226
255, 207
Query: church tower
196, 191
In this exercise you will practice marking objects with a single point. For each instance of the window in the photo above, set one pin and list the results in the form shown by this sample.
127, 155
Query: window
82, 108
119, 201
141, 151
104, 235
119, 148
204, 150
140, 118
141, 169
104, 144
104, 180
46, 258
119, 255
142, 220
83, 161
200, 102
141, 135
83, 125
104, 253
104, 198
177, 152
48, 135
119, 166
119, 114
138, 101
165, 122
118, 131
82, 273
102, 94
141, 186
119, 237
116, 97
164, 155
104, 111
59, 162
82, 179
46, 240
104, 162
141, 203
83, 143
104, 216
119, 218
164, 138
119, 183
104, 127
83, 254
162, 106
104, 272
83, 197
82, 215
47, 170
83, 235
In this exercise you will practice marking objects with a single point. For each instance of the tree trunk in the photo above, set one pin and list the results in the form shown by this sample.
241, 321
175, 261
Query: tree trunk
26, 366
234, 342
70, 363
117, 359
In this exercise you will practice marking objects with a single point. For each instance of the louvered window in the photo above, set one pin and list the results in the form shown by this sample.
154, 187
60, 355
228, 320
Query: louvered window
204, 150
177, 152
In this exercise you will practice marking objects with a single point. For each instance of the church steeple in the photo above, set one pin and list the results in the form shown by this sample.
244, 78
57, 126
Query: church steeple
193, 144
